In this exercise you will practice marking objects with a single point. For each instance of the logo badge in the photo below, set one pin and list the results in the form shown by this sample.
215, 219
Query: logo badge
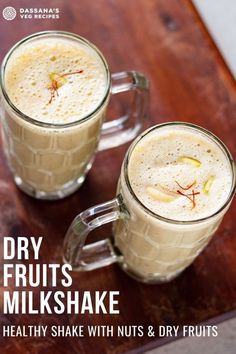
9, 13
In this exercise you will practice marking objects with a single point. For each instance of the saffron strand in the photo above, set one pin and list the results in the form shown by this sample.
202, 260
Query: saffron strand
55, 84
186, 188
193, 194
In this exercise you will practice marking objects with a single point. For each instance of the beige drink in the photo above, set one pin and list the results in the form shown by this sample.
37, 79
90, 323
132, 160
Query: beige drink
176, 183
56, 83
177, 180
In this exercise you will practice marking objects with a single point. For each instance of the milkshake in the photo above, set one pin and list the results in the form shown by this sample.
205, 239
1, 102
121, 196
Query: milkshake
56, 83
175, 180
176, 183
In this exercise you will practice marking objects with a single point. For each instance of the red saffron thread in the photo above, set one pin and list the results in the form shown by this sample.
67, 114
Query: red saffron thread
54, 90
185, 195
186, 188
54, 84
73, 72
193, 194
193, 200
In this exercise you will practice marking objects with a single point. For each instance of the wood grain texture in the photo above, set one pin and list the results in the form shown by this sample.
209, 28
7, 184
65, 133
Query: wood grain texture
189, 82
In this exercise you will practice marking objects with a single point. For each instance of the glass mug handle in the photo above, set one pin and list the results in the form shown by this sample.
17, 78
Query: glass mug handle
127, 127
98, 254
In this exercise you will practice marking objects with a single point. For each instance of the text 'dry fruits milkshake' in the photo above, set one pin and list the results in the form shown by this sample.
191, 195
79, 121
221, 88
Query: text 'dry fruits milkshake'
178, 178
56, 83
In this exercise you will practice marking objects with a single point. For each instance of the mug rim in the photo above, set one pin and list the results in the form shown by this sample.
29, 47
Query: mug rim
51, 33
210, 135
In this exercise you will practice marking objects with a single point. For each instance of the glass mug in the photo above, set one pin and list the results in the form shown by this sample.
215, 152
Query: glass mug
50, 161
149, 247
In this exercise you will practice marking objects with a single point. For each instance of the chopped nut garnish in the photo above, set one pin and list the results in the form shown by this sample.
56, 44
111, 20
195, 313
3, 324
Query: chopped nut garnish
158, 195
208, 184
190, 160
61, 80
139, 149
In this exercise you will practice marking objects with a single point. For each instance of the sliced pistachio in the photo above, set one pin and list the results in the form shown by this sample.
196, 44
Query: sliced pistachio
159, 195
208, 184
191, 160
60, 79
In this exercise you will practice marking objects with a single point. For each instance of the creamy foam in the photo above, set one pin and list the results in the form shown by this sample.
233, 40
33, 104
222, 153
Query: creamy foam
27, 80
171, 155
51, 163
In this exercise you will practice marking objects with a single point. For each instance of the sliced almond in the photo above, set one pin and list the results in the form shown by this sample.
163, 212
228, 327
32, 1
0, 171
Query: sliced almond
191, 160
208, 184
158, 195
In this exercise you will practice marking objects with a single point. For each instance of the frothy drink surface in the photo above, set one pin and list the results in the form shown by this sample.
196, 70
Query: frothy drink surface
179, 174
35, 67
54, 80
